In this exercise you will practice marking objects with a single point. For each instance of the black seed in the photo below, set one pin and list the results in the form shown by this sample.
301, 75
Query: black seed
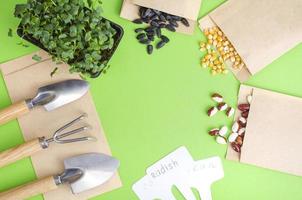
160, 44
151, 37
138, 30
185, 22
173, 23
154, 24
165, 39
138, 21
177, 18
168, 17
170, 27
147, 13
141, 36
158, 32
149, 29
145, 41
142, 10
162, 25
156, 12
154, 17
162, 17
149, 49
146, 20
150, 33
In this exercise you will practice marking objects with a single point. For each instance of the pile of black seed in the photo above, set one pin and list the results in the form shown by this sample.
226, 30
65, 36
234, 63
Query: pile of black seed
157, 21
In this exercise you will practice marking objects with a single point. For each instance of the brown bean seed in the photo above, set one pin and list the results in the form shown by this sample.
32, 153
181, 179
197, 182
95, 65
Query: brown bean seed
214, 132
245, 114
235, 147
212, 111
239, 140
244, 107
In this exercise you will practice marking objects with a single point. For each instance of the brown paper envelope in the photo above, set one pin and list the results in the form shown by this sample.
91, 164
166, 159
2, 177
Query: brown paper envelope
261, 31
273, 134
130, 11
244, 91
242, 74
23, 76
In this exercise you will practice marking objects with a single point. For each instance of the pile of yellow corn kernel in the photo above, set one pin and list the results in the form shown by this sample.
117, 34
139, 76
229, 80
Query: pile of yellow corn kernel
219, 50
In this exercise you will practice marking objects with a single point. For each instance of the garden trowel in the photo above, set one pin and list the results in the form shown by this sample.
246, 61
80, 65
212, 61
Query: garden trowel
51, 97
82, 172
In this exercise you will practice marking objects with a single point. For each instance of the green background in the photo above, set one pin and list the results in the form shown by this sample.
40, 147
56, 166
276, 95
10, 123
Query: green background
150, 105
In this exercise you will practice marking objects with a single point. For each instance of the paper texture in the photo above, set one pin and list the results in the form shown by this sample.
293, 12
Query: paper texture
23, 76
188, 9
260, 31
273, 133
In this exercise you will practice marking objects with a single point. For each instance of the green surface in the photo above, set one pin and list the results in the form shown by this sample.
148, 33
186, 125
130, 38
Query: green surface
150, 105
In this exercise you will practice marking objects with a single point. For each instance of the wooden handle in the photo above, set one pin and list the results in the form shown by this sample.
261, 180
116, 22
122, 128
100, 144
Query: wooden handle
30, 189
12, 112
22, 151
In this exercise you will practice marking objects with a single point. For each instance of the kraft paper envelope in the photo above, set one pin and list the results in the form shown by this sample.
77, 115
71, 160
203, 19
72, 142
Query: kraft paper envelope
260, 31
23, 76
273, 133
188, 9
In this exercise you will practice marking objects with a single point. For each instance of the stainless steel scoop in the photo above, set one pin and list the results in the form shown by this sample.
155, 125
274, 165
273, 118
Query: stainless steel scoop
51, 97
82, 172
31, 147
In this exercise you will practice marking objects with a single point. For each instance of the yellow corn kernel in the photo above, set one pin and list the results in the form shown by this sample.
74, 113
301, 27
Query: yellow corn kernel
232, 59
202, 44
206, 31
225, 71
204, 65
216, 62
202, 49
213, 72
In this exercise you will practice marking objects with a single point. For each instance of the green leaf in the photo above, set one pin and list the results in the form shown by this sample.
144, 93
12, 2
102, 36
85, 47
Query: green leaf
88, 36
19, 9
96, 55
10, 33
73, 31
36, 58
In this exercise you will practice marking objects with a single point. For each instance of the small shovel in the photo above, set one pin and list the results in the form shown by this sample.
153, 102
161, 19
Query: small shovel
82, 172
51, 97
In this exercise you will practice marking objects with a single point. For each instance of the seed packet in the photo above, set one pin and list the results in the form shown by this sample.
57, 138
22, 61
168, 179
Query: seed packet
23, 76
273, 134
188, 9
260, 31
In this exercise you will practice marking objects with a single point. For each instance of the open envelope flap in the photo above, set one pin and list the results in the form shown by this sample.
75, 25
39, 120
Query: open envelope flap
242, 74
273, 133
188, 9
130, 11
260, 31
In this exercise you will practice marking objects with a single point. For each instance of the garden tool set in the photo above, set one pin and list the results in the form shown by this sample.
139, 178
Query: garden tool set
50, 97
82, 172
